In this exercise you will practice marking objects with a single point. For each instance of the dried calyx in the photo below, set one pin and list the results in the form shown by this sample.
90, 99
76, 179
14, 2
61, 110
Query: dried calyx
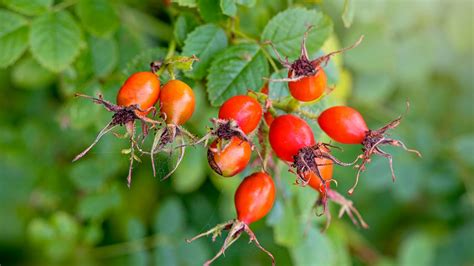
236, 228
347, 207
169, 135
304, 66
372, 142
123, 115
305, 161
223, 129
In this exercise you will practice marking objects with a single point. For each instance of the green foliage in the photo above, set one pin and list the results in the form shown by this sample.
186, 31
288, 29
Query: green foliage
188, 3
29, 7
55, 40
185, 23
57, 212
236, 70
98, 17
13, 37
204, 42
286, 29
38, 76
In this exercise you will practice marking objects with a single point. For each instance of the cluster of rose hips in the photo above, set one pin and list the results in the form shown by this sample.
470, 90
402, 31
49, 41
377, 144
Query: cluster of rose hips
291, 138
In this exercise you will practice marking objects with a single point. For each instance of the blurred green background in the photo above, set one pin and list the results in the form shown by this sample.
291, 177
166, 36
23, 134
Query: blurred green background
53, 211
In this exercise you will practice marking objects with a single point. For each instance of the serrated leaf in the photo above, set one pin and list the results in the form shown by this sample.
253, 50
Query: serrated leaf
181, 62
98, 17
229, 7
278, 90
188, 3
55, 40
210, 10
28, 74
286, 31
348, 13
13, 37
234, 71
185, 23
104, 55
29, 7
204, 42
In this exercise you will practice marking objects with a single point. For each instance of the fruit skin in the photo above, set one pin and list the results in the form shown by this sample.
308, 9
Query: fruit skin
254, 197
232, 159
177, 102
243, 109
325, 167
343, 124
142, 88
288, 134
308, 88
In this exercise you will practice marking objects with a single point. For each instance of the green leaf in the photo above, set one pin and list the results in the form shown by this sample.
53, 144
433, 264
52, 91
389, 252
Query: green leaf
97, 206
13, 37
136, 229
142, 61
98, 17
278, 90
40, 231
314, 249
191, 173
92, 234
82, 178
170, 218
181, 62
167, 255
129, 45
285, 224
188, 3
286, 31
104, 55
377, 52
28, 74
29, 7
210, 10
185, 23
247, 3
144, 25
65, 225
348, 13
204, 42
229, 7
55, 40
418, 249
372, 88
198, 251
463, 146
234, 71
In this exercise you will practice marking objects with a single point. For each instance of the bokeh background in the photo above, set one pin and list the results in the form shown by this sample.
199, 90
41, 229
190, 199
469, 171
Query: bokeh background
53, 211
